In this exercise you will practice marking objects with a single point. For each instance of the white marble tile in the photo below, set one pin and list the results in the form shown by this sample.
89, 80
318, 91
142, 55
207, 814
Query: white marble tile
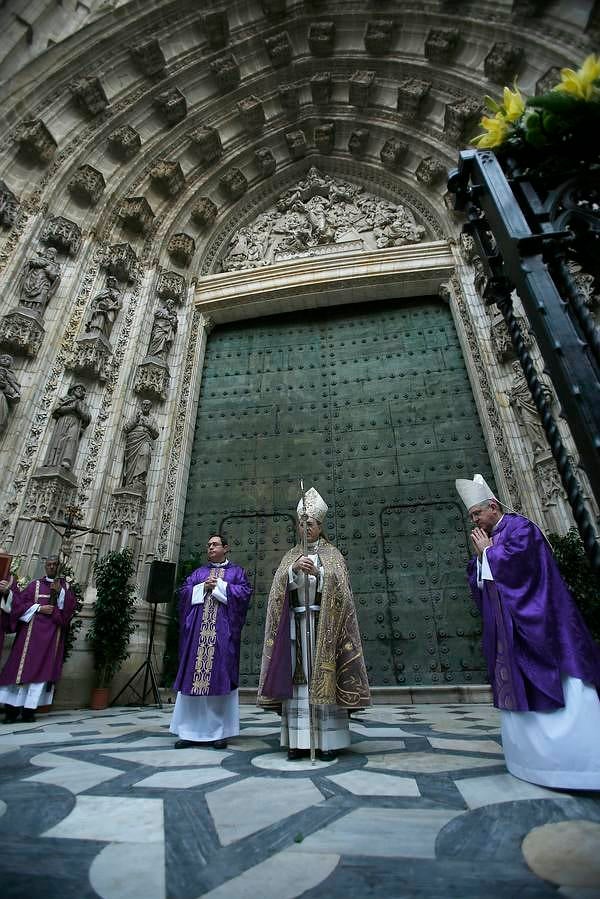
172, 758
427, 762
3, 807
126, 871
480, 791
369, 746
379, 732
489, 746
181, 780
145, 743
72, 774
244, 744
115, 819
283, 876
285, 798
366, 783
382, 832
278, 761
256, 731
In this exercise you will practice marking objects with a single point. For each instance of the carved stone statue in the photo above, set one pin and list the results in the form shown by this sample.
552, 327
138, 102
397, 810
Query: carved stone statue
41, 277
163, 330
10, 390
104, 310
140, 433
521, 400
72, 418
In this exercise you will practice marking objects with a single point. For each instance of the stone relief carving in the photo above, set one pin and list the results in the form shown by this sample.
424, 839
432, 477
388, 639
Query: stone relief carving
140, 433
104, 310
89, 94
171, 286
321, 38
9, 206
585, 284
226, 71
40, 278
181, 248
265, 161
359, 91
10, 390
163, 330
320, 88
149, 57
204, 212
61, 233
297, 145
378, 36
87, 184
441, 43
431, 171
136, 214
290, 99
121, 261
392, 153
279, 48
358, 141
525, 408
35, 140
502, 62
548, 480
172, 105
325, 137
124, 142
72, 417
216, 28
411, 93
320, 211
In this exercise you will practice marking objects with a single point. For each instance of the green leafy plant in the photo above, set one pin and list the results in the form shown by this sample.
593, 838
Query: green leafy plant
112, 624
76, 622
171, 654
577, 571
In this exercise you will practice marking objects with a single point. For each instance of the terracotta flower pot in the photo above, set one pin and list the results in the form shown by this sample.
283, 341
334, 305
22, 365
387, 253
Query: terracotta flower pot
99, 698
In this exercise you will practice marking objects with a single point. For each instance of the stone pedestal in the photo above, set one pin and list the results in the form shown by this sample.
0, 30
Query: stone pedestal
51, 491
91, 356
152, 378
22, 332
124, 517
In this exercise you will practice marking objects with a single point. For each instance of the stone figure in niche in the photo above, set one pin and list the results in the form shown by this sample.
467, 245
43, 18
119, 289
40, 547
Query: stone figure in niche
41, 277
521, 400
10, 390
163, 330
104, 310
140, 433
72, 418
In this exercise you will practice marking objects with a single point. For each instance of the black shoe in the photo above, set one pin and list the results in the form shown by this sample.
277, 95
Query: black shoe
27, 716
326, 755
219, 744
11, 714
186, 744
295, 754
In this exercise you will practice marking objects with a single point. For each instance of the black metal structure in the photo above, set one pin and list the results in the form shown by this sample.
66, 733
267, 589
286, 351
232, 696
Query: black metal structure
533, 232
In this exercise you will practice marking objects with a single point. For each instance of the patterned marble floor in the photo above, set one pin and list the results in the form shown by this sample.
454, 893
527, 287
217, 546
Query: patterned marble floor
100, 804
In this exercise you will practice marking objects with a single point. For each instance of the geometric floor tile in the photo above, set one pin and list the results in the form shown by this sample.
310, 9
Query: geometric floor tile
278, 761
172, 758
480, 791
465, 745
183, 779
427, 762
116, 819
369, 746
72, 774
128, 871
283, 876
366, 783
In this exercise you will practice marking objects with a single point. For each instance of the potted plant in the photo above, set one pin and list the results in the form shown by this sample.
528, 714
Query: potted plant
112, 624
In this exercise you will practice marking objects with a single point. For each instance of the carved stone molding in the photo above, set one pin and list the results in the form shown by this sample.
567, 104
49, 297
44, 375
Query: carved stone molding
548, 482
204, 212
586, 285
411, 93
216, 28
172, 105
441, 44
167, 176
460, 119
125, 511
279, 49
35, 140
252, 114
9, 206
320, 88
548, 80
136, 214
91, 356
233, 183
121, 261
289, 95
467, 247
502, 62
89, 94
124, 142
226, 71
500, 337
149, 57
358, 141
21, 331
181, 248
61, 233
359, 91
152, 379
49, 494
296, 143
265, 161
325, 137
392, 153
378, 37
87, 184
207, 143
321, 38
171, 286
431, 172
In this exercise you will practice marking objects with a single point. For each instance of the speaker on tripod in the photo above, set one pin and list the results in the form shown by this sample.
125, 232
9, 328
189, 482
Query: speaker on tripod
161, 583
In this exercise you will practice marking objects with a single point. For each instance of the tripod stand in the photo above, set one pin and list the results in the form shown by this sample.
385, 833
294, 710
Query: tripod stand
148, 670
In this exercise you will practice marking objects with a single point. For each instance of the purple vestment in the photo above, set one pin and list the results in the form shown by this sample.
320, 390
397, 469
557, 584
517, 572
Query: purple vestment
8, 621
37, 654
533, 633
210, 634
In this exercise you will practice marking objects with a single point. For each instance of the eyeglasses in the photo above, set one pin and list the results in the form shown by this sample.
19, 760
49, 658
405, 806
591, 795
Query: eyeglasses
208, 545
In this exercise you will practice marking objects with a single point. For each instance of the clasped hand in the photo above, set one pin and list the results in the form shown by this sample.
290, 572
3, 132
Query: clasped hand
211, 582
305, 565
480, 540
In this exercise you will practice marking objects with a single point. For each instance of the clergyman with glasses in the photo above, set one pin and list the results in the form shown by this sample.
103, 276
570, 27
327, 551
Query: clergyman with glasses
213, 602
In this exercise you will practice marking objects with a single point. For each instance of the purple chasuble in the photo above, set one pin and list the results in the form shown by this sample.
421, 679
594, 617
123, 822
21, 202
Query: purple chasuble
37, 654
210, 634
8, 621
533, 633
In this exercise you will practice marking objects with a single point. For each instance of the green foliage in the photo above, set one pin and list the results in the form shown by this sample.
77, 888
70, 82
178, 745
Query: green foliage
171, 656
76, 622
577, 571
112, 625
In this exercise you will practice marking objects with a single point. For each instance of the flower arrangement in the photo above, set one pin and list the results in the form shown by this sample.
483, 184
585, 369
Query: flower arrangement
561, 122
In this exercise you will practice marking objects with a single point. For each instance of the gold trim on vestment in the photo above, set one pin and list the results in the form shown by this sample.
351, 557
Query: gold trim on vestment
28, 637
206, 648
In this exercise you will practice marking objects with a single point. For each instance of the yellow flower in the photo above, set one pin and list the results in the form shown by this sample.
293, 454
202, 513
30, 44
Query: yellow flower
513, 103
581, 83
496, 132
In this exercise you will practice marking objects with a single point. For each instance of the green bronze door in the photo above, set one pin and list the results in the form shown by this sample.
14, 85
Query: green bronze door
372, 405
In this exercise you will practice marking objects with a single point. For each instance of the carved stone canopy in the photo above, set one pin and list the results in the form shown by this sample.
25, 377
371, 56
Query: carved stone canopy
61, 233
290, 99
320, 215
502, 62
204, 212
378, 36
266, 161
149, 57
360, 88
320, 87
441, 43
226, 71
358, 142
9, 206
411, 93
216, 28
89, 94
137, 214
297, 145
321, 38
172, 105
280, 50
124, 142
35, 140
207, 143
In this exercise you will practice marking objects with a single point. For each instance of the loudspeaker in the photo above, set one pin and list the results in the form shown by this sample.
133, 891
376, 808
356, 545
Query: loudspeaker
161, 582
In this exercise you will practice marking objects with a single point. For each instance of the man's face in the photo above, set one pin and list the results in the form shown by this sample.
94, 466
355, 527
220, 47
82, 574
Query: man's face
485, 517
215, 550
51, 567
313, 529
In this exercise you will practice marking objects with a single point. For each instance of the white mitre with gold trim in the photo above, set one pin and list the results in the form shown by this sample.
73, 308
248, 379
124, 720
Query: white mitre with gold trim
475, 492
316, 507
